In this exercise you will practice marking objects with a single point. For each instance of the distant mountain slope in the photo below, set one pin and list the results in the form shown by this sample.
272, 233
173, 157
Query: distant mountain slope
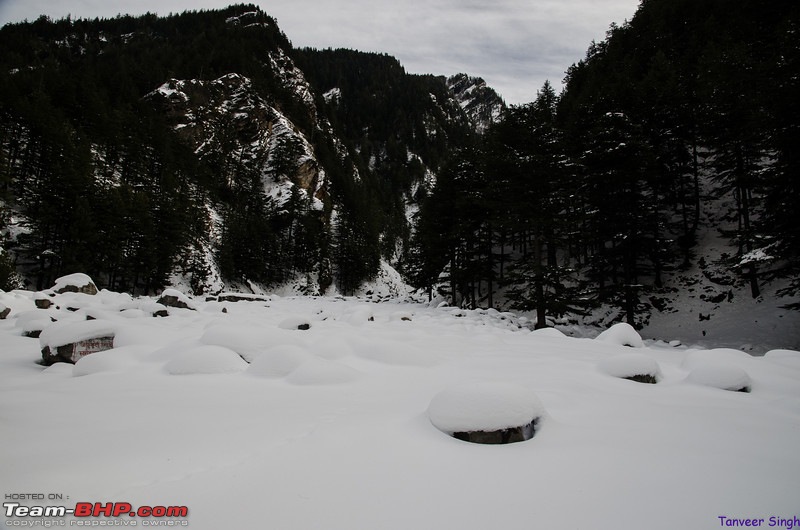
203, 145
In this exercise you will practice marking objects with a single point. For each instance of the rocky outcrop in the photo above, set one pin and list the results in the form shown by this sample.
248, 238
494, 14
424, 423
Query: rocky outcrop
175, 298
228, 121
75, 283
482, 105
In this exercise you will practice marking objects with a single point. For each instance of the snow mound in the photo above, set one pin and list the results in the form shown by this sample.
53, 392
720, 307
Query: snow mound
622, 334
401, 316
787, 358
206, 360
33, 320
175, 298
114, 360
549, 332
17, 302
244, 340
332, 349
483, 406
394, 353
77, 282
133, 313
722, 377
295, 322
279, 361
720, 356
631, 365
358, 316
321, 372
62, 333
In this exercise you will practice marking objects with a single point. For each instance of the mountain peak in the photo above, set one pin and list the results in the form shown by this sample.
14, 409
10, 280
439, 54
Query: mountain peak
482, 104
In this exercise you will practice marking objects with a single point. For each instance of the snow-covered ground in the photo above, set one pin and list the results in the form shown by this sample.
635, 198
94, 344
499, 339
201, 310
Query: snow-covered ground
252, 423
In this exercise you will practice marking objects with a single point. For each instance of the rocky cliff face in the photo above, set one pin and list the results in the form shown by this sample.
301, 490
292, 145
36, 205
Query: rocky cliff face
228, 123
480, 102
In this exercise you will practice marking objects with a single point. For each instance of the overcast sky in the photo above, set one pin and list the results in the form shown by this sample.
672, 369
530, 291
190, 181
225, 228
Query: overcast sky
515, 45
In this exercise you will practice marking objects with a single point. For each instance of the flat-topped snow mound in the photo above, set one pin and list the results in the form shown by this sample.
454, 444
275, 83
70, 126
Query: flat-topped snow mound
76, 283
723, 377
487, 406
206, 360
633, 366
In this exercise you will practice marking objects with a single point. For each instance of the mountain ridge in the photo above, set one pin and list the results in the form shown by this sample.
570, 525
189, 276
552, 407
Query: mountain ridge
222, 102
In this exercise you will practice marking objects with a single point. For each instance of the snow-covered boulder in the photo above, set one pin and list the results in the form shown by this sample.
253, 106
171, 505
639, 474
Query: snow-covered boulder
401, 316
206, 360
75, 283
241, 297
622, 334
787, 358
632, 366
31, 323
321, 372
279, 361
4, 312
487, 412
69, 341
113, 360
295, 322
175, 298
718, 356
248, 341
43, 299
724, 377
549, 332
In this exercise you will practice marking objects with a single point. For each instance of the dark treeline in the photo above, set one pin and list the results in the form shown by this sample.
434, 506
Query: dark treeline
396, 127
592, 195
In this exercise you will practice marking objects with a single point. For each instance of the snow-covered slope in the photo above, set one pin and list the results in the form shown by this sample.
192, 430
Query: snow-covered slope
227, 120
480, 102
329, 427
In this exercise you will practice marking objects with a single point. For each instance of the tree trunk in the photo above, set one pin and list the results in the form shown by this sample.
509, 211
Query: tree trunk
696, 220
541, 309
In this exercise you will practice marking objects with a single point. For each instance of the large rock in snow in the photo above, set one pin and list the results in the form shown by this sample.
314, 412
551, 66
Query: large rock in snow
75, 283
175, 298
721, 376
70, 341
487, 412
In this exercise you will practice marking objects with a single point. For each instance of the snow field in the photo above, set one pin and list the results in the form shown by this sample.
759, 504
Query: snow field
252, 425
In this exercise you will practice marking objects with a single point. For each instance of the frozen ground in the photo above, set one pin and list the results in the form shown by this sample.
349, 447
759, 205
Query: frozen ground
252, 424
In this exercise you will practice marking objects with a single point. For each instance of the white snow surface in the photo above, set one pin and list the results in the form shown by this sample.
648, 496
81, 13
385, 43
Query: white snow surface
329, 428
484, 406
